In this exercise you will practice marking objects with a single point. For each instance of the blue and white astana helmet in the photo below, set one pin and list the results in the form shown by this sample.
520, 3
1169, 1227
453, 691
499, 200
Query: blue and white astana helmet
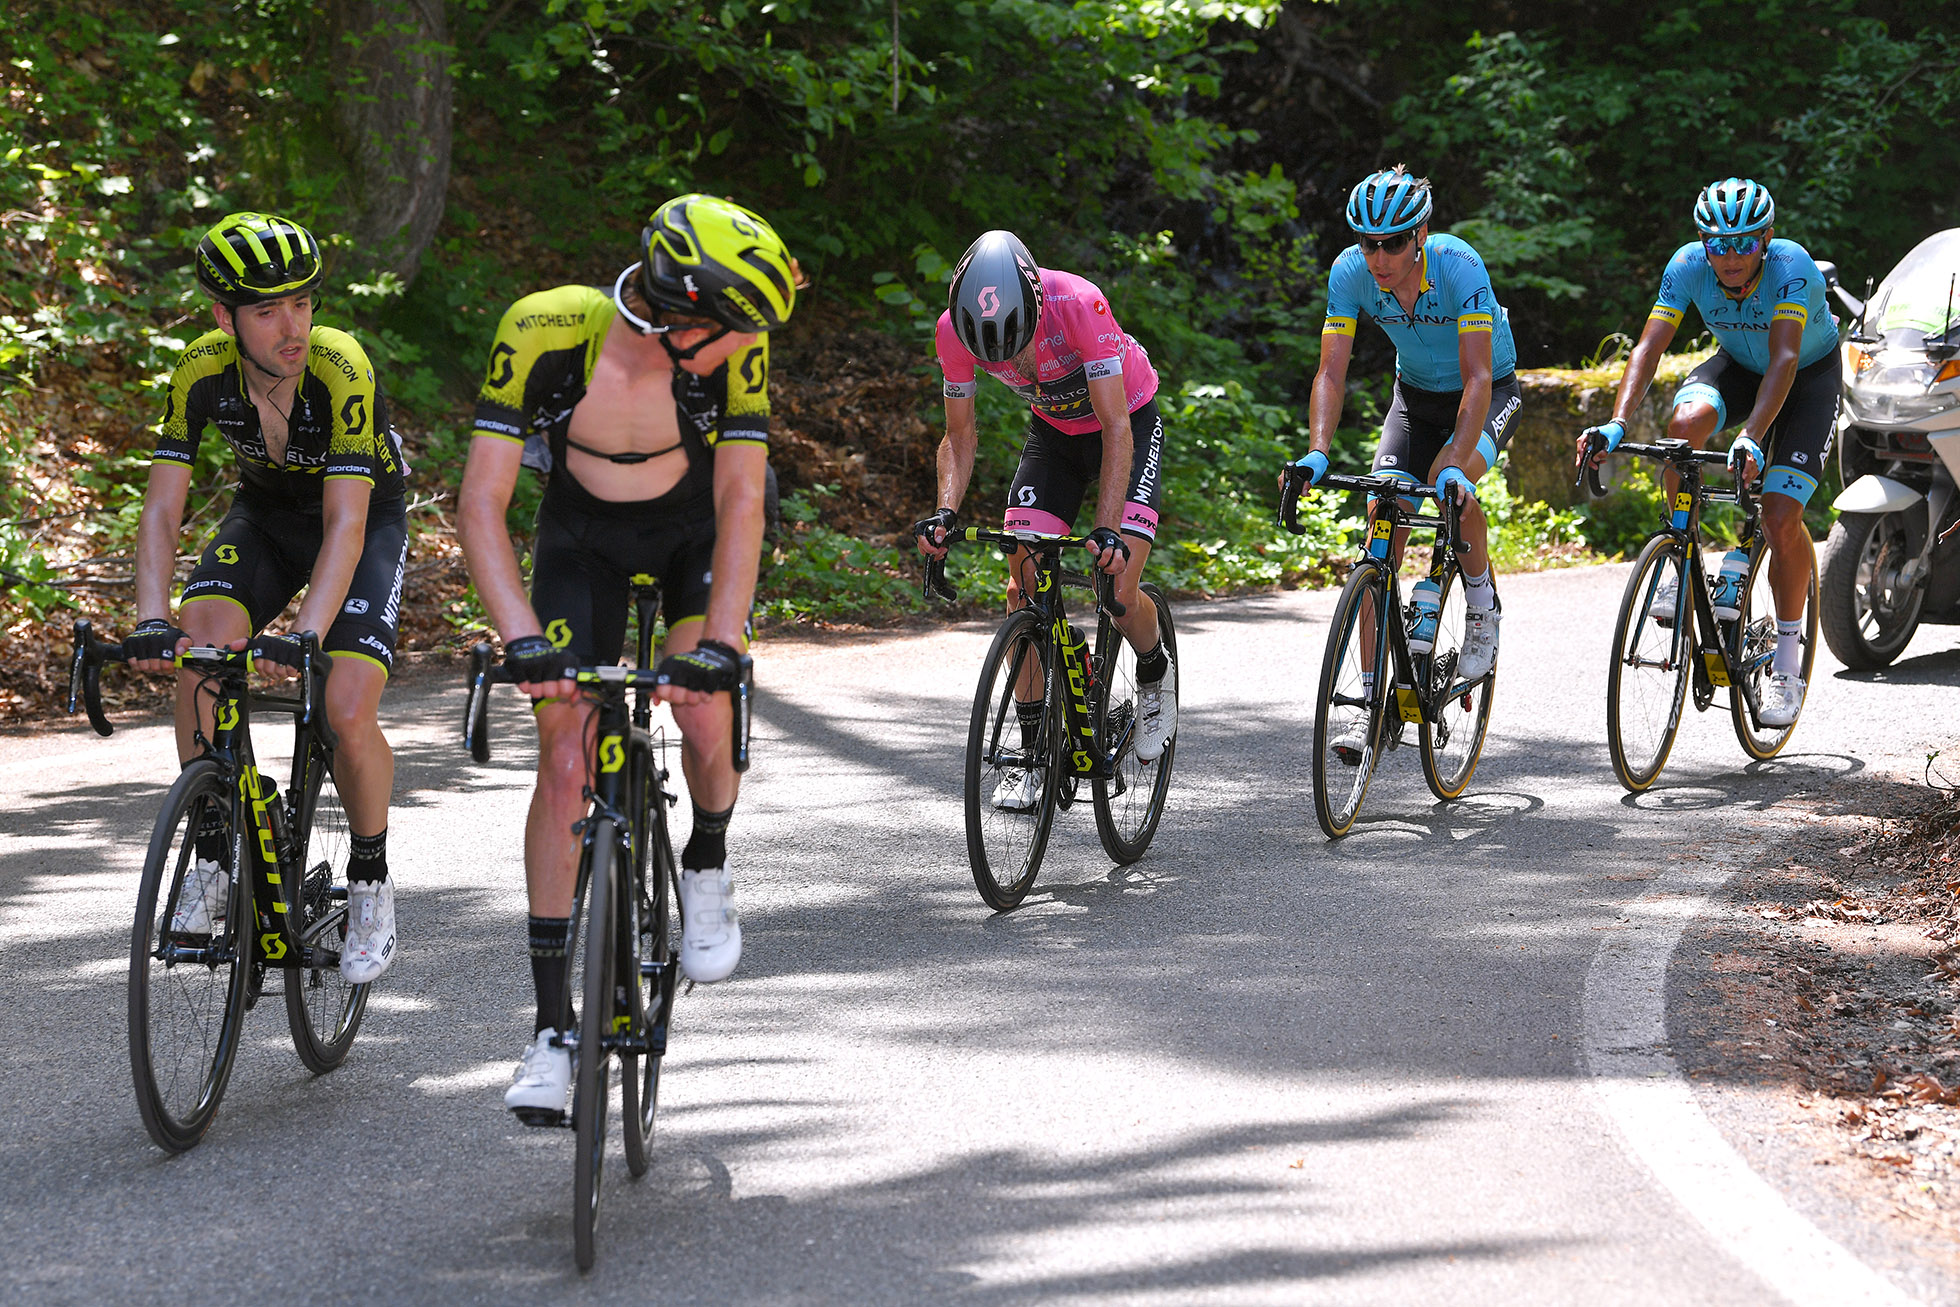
1734, 206
1388, 202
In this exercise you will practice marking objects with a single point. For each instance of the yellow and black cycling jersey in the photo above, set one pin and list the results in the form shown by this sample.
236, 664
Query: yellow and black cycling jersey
541, 365
338, 426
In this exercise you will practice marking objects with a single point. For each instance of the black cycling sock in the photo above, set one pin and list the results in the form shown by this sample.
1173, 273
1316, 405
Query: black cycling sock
1030, 718
707, 843
1152, 666
367, 862
550, 937
210, 840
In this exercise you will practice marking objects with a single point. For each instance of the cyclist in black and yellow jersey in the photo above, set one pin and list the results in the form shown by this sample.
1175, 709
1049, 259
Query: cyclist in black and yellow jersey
646, 404
319, 506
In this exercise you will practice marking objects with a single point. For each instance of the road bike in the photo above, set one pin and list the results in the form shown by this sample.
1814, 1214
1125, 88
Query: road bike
1051, 711
1657, 658
1373, 684
195, 966
623, 966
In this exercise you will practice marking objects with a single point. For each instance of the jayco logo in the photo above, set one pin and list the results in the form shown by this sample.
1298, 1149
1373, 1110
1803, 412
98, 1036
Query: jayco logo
989, 301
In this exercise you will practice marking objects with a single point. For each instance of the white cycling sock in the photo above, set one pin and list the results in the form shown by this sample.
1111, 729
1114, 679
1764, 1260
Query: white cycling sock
1479, 591
1789, 648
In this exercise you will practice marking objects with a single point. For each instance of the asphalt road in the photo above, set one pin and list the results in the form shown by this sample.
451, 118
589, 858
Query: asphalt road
1252, 1068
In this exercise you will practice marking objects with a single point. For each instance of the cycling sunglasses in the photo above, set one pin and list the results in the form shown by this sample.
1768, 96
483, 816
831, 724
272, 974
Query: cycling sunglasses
1387, 244
1747, 243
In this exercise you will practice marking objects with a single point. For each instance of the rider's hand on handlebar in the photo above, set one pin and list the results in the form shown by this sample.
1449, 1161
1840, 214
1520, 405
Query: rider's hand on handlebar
697, 675
1112, 553
539, 668
1314, 462
932, 532
275, 671
1454, 476
1610, 435
1745, 459
153, 644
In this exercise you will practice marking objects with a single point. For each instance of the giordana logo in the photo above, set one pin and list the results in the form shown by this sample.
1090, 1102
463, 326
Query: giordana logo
1799, 457
989, 301
355, 606
1389, 461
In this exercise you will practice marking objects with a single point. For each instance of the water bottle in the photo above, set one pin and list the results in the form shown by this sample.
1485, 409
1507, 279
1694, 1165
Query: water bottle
1426, 598
1727, 590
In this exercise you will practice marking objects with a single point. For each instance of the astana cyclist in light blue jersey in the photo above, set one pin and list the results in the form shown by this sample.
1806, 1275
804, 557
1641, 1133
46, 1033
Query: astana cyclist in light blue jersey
1456, 392
1776, 372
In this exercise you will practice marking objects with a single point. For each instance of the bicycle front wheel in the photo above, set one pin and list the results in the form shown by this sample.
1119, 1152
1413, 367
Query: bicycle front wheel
1647, 682
322, 1008
1453, 739
1012, 770
186, 973
1752, 649
651, 975
592, 980
1130, 804
1348, 713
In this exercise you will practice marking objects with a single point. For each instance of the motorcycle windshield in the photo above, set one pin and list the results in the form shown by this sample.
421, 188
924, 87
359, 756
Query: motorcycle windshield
1920, 298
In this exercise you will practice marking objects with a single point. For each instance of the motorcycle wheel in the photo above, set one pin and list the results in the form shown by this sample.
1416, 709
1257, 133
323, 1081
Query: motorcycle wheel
1868, 616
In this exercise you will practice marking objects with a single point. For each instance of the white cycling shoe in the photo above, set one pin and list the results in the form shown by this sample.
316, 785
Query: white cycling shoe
543, 1082
1018, 791
201, 902
1156, 715
711, 940
1666, 599
370, 943
1351, 743
1479, 652
1782, 700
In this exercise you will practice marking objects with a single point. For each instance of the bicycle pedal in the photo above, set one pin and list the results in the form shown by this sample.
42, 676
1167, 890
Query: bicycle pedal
542, 1118
1351, 757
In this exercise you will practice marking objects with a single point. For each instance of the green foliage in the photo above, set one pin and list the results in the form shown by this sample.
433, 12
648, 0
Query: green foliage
820, 574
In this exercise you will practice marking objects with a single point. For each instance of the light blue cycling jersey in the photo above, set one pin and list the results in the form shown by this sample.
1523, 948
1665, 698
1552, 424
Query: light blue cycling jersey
1456, 299
1789, 288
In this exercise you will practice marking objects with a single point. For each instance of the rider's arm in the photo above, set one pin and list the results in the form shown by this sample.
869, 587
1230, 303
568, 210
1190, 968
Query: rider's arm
343, 515
1473, 350
157, 533
741, 470
1655, 337
1785, 339
489, 477
1329, 387
1111, 402
955, 461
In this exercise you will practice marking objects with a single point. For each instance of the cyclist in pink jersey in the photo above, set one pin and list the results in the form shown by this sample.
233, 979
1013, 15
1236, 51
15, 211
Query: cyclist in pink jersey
1051, 338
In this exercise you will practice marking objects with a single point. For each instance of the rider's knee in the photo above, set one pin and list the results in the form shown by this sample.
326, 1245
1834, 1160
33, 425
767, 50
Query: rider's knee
1684, 423
1781, 514
212, 622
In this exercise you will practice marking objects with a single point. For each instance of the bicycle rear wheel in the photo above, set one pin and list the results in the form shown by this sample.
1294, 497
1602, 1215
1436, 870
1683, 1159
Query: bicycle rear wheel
655, 890
1454, 741
1130, 804
592, 980
1752, 646
1647, 681
1348, 712
186, 975
322, 1008
1012, 778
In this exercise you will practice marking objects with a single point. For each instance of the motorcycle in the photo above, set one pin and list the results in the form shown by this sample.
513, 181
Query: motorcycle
1892, 560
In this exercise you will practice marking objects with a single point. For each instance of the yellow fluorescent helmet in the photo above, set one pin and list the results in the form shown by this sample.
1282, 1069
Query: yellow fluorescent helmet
711, 257
250, 257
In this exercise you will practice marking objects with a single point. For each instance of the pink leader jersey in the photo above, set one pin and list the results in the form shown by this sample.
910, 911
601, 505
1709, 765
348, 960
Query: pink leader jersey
1079, 340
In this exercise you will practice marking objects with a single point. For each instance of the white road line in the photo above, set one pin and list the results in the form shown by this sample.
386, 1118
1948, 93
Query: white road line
1644, 1093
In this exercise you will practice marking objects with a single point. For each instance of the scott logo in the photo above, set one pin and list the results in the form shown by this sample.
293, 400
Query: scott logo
989, 301
228, 553
559, 633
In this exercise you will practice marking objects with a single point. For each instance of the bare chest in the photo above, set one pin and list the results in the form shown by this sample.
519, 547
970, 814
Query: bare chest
628, 408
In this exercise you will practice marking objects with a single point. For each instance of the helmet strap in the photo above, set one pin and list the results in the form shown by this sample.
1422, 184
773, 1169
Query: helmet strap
683, 355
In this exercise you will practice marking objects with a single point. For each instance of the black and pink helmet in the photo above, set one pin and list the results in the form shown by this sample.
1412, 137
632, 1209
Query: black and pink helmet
995, 299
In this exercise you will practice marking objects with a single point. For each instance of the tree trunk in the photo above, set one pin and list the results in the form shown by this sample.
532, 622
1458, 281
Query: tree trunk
391, 122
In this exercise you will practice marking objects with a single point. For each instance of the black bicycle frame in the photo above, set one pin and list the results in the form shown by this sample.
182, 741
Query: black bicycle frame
1083, 699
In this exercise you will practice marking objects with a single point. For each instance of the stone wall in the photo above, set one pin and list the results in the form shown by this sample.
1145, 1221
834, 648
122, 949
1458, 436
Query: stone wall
1559, 403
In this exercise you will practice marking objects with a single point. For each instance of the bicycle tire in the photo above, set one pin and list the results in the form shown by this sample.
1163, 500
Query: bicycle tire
1463, 720
655, 890
323, 1011
1126, 828
591, 1083
178, 1089
1752, 644
1343, 701
1005, 845
1643, 712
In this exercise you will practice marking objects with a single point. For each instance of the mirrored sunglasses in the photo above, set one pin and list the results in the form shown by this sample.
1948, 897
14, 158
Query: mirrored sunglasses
1387, 244
1747, 243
